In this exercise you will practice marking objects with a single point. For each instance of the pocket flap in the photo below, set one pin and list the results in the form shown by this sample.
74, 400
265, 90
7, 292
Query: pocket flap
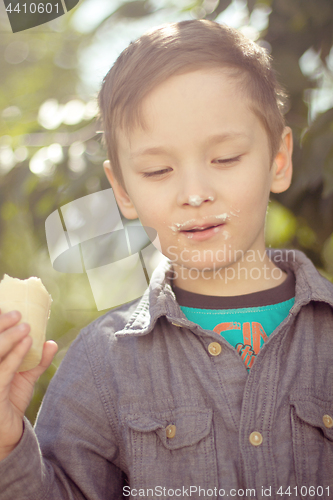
191, 425
314, 411
144, 423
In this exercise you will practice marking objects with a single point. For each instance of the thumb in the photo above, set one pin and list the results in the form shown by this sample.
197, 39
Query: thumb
50, 348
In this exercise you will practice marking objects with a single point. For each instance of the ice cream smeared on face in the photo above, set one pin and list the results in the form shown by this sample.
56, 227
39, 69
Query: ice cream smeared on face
234, 212
223, 217
177, 226
215, 220
195, 200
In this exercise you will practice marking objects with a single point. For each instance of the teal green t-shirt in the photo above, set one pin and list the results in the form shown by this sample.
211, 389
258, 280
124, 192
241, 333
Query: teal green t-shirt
244, 321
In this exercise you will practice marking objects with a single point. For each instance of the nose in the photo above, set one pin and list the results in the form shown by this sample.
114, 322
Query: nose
196, 200
194, 190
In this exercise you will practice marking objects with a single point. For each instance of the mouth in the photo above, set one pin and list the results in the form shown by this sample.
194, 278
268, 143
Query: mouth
200, 228
203, 229
201, 233
202, 224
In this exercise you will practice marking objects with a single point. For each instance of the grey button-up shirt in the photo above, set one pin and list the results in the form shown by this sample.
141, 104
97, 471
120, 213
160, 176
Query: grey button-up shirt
143, 406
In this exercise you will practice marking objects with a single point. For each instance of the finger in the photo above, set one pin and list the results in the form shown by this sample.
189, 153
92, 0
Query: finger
50, 349
10, 337
10, 364
9, 319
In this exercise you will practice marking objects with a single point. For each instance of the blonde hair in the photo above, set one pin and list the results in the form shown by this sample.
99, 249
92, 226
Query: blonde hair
179, 48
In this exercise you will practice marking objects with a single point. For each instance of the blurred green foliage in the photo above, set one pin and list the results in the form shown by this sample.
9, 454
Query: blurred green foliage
41, 79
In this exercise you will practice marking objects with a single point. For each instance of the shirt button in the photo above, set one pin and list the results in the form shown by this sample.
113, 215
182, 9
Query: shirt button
328, 421
170, 431
214, 348
255, 438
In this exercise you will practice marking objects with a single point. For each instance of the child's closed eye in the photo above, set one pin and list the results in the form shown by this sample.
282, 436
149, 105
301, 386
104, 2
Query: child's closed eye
156, 173
227, 161
220, 161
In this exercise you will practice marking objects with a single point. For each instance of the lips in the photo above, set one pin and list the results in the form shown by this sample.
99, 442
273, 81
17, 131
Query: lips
193, 225
202, 233
201, 228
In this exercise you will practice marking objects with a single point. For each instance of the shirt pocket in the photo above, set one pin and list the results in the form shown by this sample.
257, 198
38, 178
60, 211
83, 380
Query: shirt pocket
312, 434
173, 449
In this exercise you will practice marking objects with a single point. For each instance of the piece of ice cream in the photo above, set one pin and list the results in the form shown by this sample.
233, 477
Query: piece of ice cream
195, 200
31, 298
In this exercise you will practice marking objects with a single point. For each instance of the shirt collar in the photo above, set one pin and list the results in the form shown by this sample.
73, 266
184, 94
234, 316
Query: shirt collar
159, 298
310, 285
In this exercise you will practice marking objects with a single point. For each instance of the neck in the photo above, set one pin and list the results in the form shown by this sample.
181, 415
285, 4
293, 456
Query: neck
238, 278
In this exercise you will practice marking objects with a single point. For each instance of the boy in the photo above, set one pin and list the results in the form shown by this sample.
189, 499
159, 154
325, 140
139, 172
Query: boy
218, 382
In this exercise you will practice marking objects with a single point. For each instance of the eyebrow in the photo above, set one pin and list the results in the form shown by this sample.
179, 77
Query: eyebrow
211, 141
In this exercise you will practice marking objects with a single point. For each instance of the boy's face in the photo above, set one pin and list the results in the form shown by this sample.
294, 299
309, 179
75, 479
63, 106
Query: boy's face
203, 160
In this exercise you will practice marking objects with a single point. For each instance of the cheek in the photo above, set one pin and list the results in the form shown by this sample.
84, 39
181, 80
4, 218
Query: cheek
253, 189
151, 204
251, 199
149, 213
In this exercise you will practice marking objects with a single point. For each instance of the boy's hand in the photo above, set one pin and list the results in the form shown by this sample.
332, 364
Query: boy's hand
16, 389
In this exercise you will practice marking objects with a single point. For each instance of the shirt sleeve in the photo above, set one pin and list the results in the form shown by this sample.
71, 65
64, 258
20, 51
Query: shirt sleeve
72, 454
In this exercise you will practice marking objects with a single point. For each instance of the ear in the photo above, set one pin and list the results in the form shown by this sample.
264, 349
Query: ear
282, 165
124, 202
